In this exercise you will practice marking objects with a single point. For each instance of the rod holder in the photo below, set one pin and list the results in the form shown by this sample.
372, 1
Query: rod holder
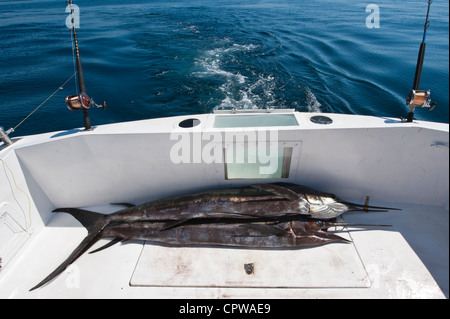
4, 136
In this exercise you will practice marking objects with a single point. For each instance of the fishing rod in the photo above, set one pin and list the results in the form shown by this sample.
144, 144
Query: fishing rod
82, 100
418, 97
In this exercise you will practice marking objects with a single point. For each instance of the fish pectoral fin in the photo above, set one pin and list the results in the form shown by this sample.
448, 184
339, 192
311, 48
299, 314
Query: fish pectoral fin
320, 238
206, 218
226, 215
111, 243
128, 205
329, 237
266, 230
278, 190
175, 223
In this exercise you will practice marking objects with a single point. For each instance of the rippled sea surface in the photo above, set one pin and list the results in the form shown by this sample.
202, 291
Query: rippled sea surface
150, 59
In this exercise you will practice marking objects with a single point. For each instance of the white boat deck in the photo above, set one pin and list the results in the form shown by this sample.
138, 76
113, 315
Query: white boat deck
396, 164
407, 260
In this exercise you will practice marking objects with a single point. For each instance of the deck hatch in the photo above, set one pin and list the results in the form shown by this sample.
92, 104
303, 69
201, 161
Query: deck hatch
332, 266
254, 120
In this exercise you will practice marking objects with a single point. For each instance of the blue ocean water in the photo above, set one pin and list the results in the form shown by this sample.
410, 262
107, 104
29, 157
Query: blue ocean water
159, 58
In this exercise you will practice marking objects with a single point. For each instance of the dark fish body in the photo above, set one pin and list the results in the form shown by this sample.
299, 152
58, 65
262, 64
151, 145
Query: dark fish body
236, 203
289, 234
259, 200
258, 216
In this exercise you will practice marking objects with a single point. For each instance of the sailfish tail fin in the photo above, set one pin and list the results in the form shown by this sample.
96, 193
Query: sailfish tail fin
94, 223
87, 218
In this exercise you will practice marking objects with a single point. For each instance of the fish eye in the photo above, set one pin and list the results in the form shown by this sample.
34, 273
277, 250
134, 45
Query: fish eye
319, 223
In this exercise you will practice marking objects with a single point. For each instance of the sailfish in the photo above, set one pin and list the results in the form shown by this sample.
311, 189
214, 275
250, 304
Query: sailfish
278, 215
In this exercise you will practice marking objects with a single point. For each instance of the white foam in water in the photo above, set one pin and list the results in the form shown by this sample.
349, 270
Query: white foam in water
255, 91
259, 94
312, 104
213, 60
239, 93
231, 103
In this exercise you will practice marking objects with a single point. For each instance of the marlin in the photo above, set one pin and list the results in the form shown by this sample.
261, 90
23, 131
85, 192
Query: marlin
261, 215
254, 201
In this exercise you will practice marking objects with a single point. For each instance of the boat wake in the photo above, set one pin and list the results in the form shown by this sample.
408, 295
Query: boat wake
235, 88
246, 86
312, 104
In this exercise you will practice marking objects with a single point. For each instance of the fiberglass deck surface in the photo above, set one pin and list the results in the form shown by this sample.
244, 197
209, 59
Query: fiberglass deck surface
401, 261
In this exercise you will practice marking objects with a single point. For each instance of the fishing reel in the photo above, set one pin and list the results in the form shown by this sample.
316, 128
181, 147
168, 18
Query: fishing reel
420, 98
82, 102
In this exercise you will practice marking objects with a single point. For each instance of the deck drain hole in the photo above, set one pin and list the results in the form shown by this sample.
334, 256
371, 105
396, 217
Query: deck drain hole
249, 269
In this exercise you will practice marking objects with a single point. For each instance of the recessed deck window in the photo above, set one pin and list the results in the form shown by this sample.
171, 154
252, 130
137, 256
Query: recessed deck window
257, 163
